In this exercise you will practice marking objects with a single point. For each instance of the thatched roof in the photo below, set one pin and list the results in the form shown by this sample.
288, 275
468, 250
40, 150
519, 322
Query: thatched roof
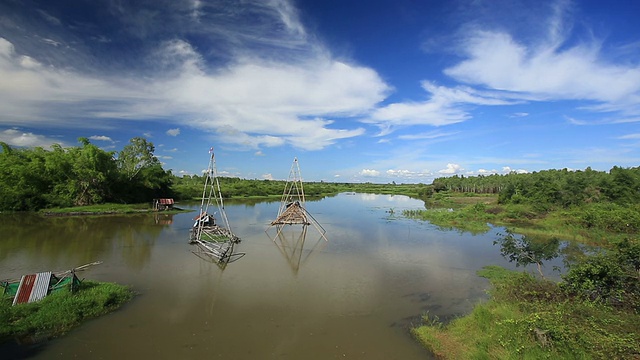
293, 214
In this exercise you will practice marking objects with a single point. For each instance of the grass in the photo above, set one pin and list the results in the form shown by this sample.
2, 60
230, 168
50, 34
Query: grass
529, 318
473, 213
104, 209
61, 311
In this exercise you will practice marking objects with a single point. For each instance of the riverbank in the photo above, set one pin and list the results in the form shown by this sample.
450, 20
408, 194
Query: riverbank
107, 209
592, 313
59, 312
529, 318
593, 224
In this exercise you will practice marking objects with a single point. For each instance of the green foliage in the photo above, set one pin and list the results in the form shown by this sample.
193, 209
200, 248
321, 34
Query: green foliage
611, 276
61, 311
32, 179
190, 187
529, 318
523, 250
608, 216
552, 188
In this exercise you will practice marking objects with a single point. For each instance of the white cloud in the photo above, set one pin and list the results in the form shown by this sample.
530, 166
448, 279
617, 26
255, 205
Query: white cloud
409, 174
451, 169
173, 132
508, 170
369, 173
100, 138
630, 136
15, 137
442, 107
486, 172
551, 69
427, 135
270, 103
267, 176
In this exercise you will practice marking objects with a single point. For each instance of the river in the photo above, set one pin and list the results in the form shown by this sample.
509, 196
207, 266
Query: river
354, 295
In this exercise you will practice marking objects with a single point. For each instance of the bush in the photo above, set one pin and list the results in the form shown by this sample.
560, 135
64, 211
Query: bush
610, 277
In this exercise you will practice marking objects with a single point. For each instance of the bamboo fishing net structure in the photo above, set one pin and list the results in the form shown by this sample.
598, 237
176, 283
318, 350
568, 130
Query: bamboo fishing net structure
212, 238
292, 209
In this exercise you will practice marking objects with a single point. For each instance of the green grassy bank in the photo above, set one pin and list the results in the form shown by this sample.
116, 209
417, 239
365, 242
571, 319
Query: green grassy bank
529, 318
597, 224
593, 312
60, 311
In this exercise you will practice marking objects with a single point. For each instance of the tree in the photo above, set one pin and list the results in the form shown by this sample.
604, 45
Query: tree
135, 156
93, 172
524, 251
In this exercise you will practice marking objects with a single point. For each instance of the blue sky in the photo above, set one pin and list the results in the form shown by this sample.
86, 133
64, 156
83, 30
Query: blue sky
359, 91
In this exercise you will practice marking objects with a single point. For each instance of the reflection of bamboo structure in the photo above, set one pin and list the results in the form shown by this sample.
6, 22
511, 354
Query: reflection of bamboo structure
292, 206
292, 248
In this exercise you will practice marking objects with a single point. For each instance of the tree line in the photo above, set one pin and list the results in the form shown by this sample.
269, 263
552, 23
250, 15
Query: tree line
562, 188
35, 178
190, 187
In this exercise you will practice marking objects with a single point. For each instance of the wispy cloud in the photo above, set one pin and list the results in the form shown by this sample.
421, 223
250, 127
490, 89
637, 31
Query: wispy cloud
429, 135
444, 107
552, 68
630, 136
277, 86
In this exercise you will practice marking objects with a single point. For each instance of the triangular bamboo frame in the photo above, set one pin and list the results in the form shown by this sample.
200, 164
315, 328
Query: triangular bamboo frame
292, 205
213, 240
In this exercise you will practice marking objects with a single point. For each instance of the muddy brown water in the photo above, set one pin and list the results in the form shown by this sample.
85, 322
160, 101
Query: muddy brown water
299, 297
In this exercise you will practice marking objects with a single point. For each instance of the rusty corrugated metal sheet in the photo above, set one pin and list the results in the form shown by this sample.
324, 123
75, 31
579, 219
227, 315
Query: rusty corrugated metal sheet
33, 287
24, 289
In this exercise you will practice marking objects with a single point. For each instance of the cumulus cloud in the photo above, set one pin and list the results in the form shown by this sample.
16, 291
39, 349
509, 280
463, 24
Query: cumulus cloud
508, 170
15, 137
173, 132
369, 173
451, 169
100, 138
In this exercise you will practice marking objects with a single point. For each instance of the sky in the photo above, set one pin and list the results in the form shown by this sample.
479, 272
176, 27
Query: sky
378, 91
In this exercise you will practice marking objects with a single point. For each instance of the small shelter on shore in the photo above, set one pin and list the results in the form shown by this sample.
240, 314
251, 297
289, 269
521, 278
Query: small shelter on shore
162, 204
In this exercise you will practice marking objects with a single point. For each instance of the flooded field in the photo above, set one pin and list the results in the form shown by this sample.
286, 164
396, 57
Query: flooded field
294, 297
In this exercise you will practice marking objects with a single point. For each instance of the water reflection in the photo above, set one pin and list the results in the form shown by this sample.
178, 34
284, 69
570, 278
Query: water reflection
353, 296
220, 254
291, 244
66, 241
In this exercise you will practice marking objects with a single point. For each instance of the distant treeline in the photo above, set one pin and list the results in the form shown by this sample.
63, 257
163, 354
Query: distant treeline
33, 179
190, 187
553, 187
